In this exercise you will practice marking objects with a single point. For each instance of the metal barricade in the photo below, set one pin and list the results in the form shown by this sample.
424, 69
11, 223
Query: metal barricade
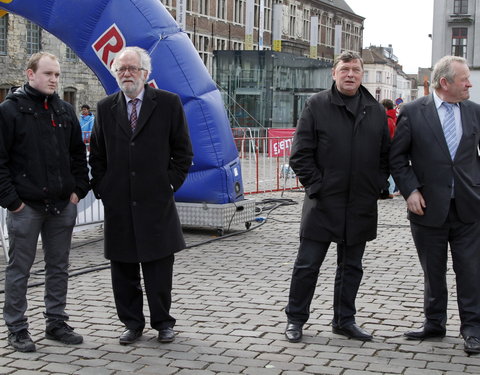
261, 171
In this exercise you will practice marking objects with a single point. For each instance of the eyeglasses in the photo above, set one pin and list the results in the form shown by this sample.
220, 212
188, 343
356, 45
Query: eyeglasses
131, 69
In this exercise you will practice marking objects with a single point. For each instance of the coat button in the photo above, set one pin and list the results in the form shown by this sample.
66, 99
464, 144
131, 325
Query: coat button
133, 174
134, 203
132, 144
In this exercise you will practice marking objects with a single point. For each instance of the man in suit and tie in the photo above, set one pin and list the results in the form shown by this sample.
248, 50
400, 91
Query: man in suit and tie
140, 154
435, 161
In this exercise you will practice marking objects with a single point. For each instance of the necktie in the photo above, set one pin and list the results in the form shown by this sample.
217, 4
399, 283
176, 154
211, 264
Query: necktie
449, 129
133, 115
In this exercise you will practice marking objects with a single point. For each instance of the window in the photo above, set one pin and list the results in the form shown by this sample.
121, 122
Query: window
460, 6
3, 34
306, 24
70, 95
365, 76
459, 41
203, 6
3, 93
239, 11
221, 8
292, 21
267, 17
70, 54
33, 38
379, 77
378, 94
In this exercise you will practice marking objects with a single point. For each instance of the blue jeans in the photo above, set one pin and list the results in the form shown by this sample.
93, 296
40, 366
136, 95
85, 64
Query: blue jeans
24, 228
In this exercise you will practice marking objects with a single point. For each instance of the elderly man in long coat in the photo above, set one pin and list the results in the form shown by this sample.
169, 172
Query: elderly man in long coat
140, 154
340, 154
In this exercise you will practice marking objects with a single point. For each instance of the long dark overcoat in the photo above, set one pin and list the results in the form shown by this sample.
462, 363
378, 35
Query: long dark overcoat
136, 175
342, 160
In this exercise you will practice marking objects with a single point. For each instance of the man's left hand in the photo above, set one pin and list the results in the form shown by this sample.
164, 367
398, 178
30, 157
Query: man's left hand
74, 198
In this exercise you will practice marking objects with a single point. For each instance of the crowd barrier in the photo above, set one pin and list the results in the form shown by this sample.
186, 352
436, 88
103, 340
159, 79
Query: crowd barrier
264, 162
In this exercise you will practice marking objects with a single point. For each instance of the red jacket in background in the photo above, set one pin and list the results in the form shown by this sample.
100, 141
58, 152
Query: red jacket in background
392, 121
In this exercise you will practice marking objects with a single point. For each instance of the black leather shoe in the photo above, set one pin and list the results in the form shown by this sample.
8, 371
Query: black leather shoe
166, 335
472, 344
293, 332
130, 336
353, 331
424, 333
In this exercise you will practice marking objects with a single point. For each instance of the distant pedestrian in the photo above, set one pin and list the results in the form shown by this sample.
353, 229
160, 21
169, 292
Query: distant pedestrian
435, 161
340, 155
87, 118
140, 155
43, 175
392, 124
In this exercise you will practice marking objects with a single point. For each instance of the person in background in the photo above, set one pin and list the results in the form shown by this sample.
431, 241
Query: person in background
392, 124
140, 155
340, 154
435, 162
43, 175
87, 120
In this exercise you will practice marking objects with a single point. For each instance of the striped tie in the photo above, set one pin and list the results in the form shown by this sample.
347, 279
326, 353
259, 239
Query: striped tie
449, 129
133, 115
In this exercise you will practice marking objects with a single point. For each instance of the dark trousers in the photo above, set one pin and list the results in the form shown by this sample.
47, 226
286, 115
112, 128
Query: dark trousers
305, 275
432, 248
128, 294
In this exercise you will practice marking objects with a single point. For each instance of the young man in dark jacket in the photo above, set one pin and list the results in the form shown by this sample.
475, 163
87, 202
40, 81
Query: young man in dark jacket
43, 175
340, 155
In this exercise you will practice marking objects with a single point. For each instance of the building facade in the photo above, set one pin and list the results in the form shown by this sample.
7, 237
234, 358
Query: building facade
212, 25
384, 77
456, 31
19, 38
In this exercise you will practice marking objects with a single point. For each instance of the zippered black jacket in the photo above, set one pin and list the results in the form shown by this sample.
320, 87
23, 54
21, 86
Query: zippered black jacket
42, 155
342, 160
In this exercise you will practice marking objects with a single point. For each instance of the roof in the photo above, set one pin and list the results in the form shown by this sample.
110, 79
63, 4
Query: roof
340, 4
371, 56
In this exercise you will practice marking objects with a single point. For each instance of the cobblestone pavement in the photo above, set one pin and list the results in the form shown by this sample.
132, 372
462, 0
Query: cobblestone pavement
229, 299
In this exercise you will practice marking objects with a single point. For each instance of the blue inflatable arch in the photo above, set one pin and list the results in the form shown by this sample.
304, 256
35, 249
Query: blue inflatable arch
98, 29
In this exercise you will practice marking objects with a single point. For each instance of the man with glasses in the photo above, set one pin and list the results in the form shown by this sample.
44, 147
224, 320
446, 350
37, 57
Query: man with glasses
140, 155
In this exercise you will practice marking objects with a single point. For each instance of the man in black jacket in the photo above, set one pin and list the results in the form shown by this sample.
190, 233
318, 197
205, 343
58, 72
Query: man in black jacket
340, 154
140, 155
43, 175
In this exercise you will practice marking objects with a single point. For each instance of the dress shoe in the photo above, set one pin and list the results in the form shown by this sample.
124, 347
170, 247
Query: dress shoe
424, 333
166, 335
353, 331
293, 332
472, 344
130, 336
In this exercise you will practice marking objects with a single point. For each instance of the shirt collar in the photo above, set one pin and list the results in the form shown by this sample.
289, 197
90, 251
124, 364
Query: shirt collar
439, 101
139, 96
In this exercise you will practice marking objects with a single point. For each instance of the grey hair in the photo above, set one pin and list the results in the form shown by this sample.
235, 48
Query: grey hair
145, 59
443, 68
347, 56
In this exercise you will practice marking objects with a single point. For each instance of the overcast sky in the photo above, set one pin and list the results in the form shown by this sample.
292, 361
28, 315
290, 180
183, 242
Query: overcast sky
403, 24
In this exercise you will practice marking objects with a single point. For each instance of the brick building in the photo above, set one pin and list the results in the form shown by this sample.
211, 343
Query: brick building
211, 25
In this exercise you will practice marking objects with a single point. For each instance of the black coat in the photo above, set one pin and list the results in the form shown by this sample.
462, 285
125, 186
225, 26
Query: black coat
419, 159
42, 155
342, 160
136, 175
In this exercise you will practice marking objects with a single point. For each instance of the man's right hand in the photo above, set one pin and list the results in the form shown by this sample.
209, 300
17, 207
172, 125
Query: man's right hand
22, 206
416, 203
